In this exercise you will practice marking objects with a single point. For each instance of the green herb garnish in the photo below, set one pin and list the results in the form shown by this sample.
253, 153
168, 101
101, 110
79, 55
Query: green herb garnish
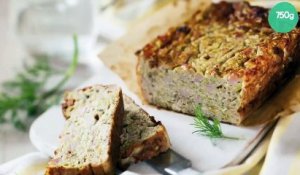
26, 97
211, 129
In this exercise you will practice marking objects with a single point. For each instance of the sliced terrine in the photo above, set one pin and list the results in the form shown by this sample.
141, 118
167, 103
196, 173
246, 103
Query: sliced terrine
90, 141
142, 137
225, 59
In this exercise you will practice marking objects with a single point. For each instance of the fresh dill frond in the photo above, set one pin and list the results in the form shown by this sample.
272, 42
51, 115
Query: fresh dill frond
211, 129
25, 97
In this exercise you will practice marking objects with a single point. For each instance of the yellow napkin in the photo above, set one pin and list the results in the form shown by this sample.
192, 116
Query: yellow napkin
283, 156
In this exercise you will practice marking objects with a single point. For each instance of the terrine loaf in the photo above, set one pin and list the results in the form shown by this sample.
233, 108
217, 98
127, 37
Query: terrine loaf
225, 59
90, 141
142, 137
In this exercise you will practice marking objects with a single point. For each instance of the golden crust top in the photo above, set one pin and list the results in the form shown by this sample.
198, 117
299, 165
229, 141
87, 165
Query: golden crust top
228, 40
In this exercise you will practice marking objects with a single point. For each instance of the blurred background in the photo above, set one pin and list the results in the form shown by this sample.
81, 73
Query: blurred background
31, 30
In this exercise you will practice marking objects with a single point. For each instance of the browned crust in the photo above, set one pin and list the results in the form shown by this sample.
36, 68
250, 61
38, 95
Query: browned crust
260, 75
161, 51
107, 168
115, 139
68, 171
150, 148
86, 170
65, 105
270, 71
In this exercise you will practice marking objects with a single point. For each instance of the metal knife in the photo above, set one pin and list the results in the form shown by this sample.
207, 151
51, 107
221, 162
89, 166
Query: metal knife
171, 163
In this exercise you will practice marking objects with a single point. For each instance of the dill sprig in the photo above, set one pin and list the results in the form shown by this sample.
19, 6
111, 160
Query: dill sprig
26, 97
211, 129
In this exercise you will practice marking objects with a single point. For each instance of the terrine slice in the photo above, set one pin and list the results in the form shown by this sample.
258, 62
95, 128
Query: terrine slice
90, 141
142, 136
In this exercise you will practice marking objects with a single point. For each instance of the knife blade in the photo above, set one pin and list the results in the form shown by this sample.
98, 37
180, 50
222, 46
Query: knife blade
172, 163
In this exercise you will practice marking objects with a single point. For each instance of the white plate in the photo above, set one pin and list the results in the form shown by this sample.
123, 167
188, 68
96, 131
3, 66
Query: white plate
204, 153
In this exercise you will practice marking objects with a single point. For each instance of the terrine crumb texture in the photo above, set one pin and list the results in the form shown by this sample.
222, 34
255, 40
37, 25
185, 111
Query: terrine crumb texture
90, 141
142, 137
226, 59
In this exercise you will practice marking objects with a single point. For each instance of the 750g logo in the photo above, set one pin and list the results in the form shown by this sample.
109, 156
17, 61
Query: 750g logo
283, 17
